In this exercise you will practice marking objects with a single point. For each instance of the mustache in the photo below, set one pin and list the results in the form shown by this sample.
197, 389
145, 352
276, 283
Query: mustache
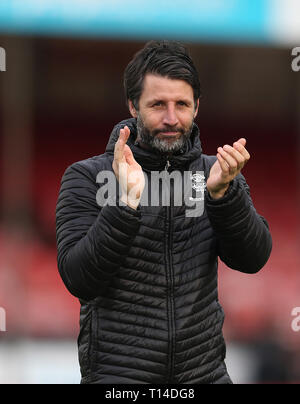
168, 129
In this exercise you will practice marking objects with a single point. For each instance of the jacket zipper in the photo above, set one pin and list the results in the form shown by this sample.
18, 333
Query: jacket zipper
170, 279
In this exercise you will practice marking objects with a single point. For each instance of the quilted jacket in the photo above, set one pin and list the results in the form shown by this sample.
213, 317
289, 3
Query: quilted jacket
147, 279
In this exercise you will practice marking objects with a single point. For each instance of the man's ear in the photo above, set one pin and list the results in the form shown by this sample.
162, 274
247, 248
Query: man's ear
196, 109
132, 109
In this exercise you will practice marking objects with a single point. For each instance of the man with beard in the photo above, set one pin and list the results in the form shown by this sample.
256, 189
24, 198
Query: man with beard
146, 276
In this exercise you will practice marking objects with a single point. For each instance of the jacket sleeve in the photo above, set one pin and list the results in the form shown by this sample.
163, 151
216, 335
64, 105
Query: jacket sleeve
244, 239
92, 241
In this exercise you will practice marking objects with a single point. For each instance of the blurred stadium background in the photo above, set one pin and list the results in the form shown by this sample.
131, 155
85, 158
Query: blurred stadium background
61, 95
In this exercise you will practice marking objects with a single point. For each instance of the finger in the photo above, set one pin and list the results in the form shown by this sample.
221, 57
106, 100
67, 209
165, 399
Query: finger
232, 163
235, 154
120, 144
223, 164
128, 155
242, 150
124, 134
242, 141
118, 150
127, 131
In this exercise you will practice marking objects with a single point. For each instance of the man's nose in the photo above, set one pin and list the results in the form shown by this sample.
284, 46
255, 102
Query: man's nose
170, 116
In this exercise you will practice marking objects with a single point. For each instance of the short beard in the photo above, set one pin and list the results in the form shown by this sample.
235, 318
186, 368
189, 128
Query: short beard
162, 145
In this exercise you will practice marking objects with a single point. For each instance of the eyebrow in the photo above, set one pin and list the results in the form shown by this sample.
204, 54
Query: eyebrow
155, 100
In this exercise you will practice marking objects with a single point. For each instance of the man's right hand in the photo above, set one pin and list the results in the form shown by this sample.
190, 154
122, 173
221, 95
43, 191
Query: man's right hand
128, 172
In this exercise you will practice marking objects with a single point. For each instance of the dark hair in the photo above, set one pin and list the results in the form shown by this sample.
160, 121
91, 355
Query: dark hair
165, 58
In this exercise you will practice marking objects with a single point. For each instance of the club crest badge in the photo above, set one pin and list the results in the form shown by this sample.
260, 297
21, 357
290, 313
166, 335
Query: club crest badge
198, 185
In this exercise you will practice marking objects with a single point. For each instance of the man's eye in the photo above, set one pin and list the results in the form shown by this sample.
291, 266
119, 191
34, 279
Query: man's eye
157, 104
182, 103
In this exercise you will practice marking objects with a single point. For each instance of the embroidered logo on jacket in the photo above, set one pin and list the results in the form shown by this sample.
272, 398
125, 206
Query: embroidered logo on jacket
199, 185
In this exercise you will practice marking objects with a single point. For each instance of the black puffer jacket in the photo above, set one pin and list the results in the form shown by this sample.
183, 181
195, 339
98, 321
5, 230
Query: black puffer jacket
147, 278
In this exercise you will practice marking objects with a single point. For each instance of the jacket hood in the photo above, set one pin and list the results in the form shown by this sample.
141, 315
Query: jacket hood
153, 160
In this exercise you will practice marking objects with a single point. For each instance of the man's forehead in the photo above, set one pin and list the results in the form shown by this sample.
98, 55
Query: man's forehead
155, 86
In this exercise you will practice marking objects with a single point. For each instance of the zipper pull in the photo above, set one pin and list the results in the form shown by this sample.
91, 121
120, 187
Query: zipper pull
167, 165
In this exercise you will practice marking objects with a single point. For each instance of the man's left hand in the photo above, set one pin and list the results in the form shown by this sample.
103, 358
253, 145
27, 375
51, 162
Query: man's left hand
230, 161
